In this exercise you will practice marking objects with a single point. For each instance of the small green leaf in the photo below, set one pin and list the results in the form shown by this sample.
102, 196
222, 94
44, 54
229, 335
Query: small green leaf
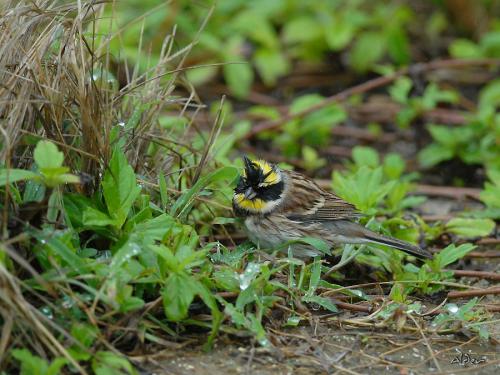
400, 90
239, 77
30, 364
119, 188
451, 254
365, 156
108, 363
368, 48
178, 293
466, 227
434, 154
47, 156
464, 49
14, 175
301, 29
271, 65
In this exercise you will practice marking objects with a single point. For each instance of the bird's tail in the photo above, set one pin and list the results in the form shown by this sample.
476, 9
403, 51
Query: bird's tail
355, 233
397, 244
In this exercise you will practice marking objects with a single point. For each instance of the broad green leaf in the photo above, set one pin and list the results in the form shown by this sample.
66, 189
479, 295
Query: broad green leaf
178, 293
394, 166
94, 217
271, 65
338, 33
124, 254
451, 254
434, 154
464, 49
108, 363
466, 227
368, 48
47, 156
398, 45
14, 175
365, 156
365, 188
239, 77
317, 243
301, 29
30, 364
119, 188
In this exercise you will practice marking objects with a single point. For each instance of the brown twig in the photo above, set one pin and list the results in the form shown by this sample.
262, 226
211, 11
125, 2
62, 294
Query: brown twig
483, 254
448, 191
352, 307
476, 274
474, 293
368, 86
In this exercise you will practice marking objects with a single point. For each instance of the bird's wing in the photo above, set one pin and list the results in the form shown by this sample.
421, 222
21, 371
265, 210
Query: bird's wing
306, 201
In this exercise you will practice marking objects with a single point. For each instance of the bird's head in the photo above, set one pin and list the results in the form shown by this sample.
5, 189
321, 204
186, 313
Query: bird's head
260, 187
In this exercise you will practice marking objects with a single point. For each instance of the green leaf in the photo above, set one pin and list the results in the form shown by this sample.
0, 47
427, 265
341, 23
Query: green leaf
365, 156
464, 49
400, 90
14, 175
30, 364
108, 363
322, 301
470, 227
315, 276
365, 188
178, 293
368, 48
317, 243
47, 156
93, 217
62, 250
451, 254
394, 166
239, 77
162, 183
271, 64
124, 254
434, 154
119, 187
398, 45
301, 29
338, 33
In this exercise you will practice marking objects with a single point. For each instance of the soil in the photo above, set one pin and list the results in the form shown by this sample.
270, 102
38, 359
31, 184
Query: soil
326, 350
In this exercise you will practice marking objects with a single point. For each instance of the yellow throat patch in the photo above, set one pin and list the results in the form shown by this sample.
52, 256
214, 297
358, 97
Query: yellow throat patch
252, 205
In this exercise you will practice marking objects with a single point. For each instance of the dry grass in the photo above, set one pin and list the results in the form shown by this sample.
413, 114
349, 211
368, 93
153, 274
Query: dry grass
58, 82
57, 74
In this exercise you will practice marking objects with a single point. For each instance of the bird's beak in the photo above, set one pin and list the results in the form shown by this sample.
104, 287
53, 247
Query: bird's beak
250, 193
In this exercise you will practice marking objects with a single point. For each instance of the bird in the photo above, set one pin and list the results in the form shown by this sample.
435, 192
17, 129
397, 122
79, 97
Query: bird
279, 206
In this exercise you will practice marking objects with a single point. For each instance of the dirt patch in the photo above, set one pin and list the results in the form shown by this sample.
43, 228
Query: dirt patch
325, 350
